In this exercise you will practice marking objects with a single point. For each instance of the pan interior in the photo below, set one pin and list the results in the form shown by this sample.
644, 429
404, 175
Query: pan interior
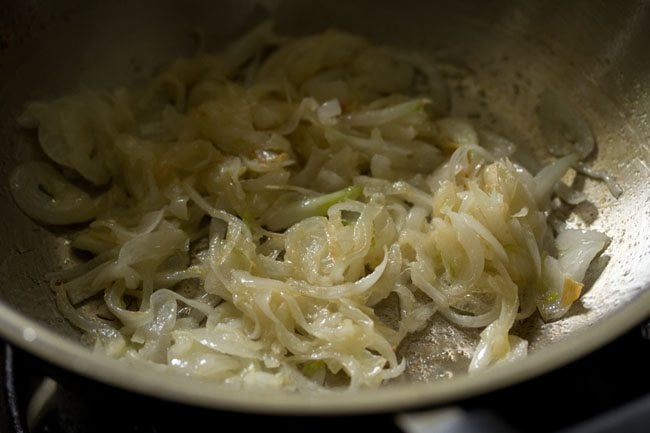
497, 59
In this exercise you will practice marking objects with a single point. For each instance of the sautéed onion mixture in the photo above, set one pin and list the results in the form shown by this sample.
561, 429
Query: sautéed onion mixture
244, 213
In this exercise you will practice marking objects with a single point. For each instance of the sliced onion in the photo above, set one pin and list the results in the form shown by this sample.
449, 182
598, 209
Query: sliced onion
45, 195
577, 248
457, 132
613, 186
548, 177
343, 290
568, 194
385, 115
329, 111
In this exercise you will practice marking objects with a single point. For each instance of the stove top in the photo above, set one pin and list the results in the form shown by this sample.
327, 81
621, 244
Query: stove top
608, 390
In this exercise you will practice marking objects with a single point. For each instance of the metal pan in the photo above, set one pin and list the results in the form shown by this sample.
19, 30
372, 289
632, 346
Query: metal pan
503, 53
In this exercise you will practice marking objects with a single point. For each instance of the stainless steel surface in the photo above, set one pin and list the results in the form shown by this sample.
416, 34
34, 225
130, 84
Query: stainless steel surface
498, 58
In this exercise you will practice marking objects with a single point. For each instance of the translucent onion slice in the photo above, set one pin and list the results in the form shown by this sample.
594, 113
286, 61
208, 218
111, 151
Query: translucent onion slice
386, 115
577, 248
561, 277
550, 175
45, 195
457, 132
